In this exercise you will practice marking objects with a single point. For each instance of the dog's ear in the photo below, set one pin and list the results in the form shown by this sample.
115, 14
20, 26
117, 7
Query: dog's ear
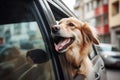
89, 35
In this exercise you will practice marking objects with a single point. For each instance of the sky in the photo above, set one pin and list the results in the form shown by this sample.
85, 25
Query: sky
69, 3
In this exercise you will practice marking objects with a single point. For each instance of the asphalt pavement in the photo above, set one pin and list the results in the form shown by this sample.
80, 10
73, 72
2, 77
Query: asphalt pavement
113, 74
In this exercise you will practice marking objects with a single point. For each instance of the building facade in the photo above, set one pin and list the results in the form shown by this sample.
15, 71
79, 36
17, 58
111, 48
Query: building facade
79, 9
96, 13
114, 22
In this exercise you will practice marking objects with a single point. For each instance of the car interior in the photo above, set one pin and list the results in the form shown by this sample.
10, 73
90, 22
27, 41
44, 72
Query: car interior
20, 29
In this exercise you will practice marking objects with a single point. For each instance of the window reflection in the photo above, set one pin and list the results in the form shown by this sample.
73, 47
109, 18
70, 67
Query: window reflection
16, 40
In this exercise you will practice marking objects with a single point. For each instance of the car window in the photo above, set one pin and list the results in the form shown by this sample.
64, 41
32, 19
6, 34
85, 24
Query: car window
115, 49
23, 55
59, 15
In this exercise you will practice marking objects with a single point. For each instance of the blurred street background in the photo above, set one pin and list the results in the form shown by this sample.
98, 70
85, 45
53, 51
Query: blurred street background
104, 15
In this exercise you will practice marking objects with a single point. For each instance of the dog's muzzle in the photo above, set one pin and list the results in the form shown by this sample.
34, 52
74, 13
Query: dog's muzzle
61, 41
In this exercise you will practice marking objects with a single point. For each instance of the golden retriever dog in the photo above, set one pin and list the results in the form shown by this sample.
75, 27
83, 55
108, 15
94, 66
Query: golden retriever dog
74, 38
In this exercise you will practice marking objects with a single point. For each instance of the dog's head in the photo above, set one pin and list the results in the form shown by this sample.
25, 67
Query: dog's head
70, 32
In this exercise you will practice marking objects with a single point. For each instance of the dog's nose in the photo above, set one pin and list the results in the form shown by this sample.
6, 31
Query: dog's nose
55, 28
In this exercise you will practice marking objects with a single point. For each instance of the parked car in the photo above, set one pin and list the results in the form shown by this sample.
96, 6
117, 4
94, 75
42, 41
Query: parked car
110, 54
18, 18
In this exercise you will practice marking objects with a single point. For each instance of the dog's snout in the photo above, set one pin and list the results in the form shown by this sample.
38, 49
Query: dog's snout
55, 28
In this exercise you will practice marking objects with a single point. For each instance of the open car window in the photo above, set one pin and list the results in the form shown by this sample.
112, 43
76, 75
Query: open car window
58, 14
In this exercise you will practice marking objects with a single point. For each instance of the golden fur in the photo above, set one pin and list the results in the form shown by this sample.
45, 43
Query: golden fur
77, 44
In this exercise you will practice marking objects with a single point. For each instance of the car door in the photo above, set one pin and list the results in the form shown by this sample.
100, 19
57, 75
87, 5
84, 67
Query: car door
22, 25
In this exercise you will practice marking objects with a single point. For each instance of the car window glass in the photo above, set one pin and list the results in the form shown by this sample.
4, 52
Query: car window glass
115, 49
19, 39
23, 55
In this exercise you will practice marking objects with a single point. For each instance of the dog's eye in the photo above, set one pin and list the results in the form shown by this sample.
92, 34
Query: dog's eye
71, 24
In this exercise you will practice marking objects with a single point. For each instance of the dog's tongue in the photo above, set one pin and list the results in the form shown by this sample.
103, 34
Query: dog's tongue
61, 44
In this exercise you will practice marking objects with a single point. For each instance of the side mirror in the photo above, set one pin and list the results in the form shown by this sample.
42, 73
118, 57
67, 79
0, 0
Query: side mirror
38, 56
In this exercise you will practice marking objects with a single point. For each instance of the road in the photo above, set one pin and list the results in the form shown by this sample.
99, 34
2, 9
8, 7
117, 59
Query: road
113, 74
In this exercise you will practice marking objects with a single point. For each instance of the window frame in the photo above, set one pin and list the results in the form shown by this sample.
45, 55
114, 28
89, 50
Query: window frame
115, 8
48, 23
44, 14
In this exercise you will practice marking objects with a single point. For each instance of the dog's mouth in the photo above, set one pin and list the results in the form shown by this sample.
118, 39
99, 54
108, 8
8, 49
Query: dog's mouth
62, 43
